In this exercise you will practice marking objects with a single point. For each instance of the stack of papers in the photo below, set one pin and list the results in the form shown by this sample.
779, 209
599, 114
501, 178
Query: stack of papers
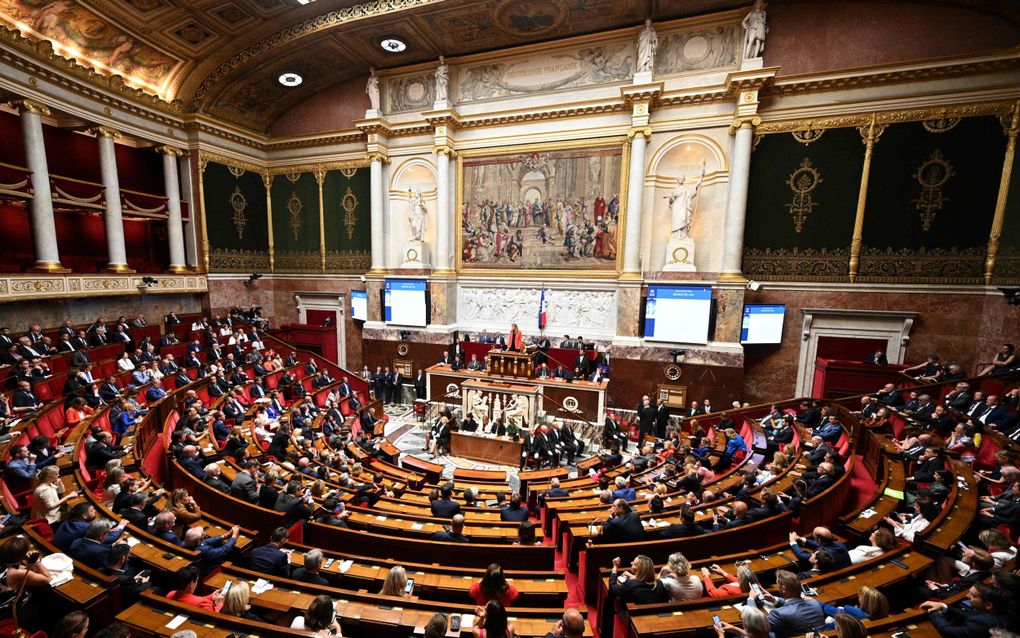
261, 586
177, 622
346, 565
868, 513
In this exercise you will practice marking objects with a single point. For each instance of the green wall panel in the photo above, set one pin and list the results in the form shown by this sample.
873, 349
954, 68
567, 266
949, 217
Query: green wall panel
802, 201
234, 204
931, 199
347, 219
295, 199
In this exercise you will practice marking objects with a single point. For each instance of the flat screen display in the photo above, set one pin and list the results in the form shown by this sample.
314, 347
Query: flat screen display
762, 323
678, 314
404, 302
359, 305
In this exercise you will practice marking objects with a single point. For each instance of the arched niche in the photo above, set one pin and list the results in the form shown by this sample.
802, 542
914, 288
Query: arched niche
684, 157
407, 176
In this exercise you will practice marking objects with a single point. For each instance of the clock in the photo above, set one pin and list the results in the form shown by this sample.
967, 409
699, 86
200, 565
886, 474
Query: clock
672, 372
403, 349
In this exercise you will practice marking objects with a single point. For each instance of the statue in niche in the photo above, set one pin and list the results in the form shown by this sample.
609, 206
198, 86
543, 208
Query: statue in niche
681, 206
755, 29
372, 88
480, 408
442, 81
417, 216
648, 42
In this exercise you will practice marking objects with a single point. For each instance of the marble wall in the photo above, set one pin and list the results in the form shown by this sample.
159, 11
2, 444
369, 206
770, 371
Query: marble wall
961, 328
51, 313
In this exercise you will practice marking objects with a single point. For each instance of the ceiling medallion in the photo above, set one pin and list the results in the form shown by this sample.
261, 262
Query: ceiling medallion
672, 372
393, 45
290, 79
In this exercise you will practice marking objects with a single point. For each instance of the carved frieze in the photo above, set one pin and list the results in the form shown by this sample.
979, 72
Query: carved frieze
593, 312
26, 287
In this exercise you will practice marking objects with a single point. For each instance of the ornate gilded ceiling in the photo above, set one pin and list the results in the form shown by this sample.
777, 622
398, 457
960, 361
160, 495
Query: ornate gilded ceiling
222, 57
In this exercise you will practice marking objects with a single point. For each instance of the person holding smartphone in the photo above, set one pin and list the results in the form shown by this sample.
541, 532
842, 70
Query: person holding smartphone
48, 499
755, 624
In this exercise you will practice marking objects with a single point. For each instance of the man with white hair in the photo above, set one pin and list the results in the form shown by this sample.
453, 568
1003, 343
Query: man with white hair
214, 477
213, 550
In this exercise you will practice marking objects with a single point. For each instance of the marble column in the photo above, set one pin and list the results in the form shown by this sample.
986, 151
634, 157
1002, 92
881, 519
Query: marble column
44, 230
113, 215
635, 193
174, 225
377, 194
736, 202
443, 210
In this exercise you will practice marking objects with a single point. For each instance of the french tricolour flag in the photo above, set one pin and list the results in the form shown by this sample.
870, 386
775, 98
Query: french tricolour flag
541, 311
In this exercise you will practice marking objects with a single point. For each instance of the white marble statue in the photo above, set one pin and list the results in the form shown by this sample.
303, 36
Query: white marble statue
648, 42
480, 408
442, 81
516, 411
755, 29
372, 88
417, 216
681, 206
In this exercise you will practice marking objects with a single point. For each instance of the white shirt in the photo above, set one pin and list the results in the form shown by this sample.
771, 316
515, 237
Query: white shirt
862, 553
125, 365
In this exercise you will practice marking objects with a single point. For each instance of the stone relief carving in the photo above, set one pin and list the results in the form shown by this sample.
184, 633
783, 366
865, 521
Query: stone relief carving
583, 67
416, 92
591, 311
698, 49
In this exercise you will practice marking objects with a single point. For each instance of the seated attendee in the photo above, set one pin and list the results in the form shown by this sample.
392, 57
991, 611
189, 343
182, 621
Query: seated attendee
163, 527
526, 534
676, 577
270, 558
78, 520
638, 586
445, 506
456, 532
793, 614
185, 592
622, 490
321, 618
622, 526
310, 571
214, 478
986, 607
25, 401
25, 572
131, 582
475, 364
905, 526
493, 586
686, 527
881, 541
395, 583
93, 548
514, 512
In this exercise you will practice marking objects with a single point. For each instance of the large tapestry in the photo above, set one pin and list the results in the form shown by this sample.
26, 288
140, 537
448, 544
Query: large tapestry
553, 210
346, 204
295, 199
236, 215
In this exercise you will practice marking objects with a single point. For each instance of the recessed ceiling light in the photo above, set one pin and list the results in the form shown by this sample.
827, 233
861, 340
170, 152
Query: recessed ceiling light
393, 45
291, 79
305, 1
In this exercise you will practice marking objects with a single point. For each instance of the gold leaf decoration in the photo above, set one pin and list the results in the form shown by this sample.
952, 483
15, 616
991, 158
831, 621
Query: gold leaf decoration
802, 181
348, 261
932, 175
348, 172
797, 264
923, 265
298, 261
807, 136
941, 124
349, 202
230, 260
294, 206
239, 204
236, 171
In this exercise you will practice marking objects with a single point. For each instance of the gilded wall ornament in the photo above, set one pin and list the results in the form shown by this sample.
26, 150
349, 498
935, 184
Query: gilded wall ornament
348, 172
294, 207
349, 202
807, 136
236, 171
239, 204
672, 372
292, 177
941, 124
932, 175
802, 181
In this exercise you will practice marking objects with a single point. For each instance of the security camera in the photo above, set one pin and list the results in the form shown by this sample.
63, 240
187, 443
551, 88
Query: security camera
753, 286
362, 278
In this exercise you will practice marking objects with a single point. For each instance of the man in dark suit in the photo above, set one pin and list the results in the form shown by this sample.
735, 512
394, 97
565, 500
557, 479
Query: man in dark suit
445, 506
889, 396
102, 451
135, 512
988, 607
514, 512
582, 363
793, 615
686, 527
996, 415
24, 399
93, 548
270, 558
622, 526
456, 532
420, 385
469, 424
396, 395
560, 373
646, 417
81, 341
810, 414
877, 358
661, 418
244, 486
66, 329
64, 343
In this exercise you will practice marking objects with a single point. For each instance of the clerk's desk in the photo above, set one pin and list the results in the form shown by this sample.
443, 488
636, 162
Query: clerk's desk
588, 396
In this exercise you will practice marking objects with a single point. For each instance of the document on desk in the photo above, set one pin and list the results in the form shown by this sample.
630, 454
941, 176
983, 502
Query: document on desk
177, 621
346, 565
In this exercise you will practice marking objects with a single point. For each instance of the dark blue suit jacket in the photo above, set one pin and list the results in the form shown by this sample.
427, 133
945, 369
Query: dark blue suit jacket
270, 560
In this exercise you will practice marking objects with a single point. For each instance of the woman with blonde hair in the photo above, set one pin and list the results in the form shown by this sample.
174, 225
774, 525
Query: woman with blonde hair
676, 577
639, 585
871, 605
111, 484
849, 627
48, 499
237, 602
395, 583
184, 507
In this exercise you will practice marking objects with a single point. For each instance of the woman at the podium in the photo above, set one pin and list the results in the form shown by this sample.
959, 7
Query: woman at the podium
515, 341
